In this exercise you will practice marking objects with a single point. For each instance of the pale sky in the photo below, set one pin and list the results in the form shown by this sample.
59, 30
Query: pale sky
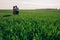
29, 4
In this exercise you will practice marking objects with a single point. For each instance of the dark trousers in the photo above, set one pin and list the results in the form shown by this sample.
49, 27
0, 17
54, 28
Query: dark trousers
17, 12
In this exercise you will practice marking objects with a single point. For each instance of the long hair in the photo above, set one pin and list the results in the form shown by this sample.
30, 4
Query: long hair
14, 12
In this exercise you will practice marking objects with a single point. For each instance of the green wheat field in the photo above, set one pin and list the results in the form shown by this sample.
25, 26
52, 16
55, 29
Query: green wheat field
41, 24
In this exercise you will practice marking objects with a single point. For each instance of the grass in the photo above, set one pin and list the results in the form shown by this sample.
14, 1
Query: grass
30, 25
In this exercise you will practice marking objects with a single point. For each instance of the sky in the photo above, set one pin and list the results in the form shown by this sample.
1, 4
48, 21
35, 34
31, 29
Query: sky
29, 4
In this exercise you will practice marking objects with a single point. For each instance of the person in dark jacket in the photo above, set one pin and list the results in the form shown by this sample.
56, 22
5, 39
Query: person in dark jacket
17, 10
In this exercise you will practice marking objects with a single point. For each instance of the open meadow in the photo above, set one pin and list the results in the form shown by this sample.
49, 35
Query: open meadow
41, 24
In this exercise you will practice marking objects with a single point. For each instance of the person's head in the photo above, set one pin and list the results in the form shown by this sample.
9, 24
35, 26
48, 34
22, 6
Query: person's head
13, 6
16, 6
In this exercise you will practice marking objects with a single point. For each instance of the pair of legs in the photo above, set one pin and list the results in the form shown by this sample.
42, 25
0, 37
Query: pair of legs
15, 12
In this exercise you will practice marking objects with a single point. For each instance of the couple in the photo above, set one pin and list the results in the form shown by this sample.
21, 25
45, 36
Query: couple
15, 10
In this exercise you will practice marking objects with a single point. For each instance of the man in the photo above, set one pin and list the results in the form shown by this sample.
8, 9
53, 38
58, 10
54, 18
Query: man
17, 10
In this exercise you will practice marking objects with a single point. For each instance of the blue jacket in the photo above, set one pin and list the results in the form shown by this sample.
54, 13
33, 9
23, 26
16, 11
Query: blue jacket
17, 9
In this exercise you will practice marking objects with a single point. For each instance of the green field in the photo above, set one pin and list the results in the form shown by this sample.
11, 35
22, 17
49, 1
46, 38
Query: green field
30, 25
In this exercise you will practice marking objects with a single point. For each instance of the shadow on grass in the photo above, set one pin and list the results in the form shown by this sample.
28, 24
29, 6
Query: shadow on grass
7, 15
